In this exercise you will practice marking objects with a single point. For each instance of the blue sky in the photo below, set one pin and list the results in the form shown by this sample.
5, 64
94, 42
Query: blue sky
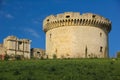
24, 18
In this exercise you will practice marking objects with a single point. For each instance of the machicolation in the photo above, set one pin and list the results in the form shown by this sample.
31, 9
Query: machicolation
75, 19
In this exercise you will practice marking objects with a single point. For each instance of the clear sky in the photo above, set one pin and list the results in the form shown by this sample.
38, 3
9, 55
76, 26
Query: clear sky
24, 18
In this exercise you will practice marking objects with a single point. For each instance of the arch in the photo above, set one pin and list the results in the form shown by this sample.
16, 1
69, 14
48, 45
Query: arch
60, 23
89, 22
94, 23
80, 21
69, 22
63, 22
72, 22
53, 24
66, 22
75, 21
86, 21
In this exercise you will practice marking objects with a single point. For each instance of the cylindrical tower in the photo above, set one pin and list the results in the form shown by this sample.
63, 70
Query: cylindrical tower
71, 35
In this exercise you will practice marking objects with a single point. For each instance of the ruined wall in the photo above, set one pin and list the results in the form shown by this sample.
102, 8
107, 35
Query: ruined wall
71, 35
17, 46
37, 53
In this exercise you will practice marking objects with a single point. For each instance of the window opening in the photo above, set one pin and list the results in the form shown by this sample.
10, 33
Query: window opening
86, 51
101, 49
100, 34
38, 52
50, 35
67, 16
47, 19
20, 42
93, 16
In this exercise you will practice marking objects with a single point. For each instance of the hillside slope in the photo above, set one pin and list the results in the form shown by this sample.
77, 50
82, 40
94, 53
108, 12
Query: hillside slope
71, 69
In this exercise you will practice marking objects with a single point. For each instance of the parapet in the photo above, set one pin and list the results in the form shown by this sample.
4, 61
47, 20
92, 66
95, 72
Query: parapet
11, 38
14, 38
76, 19
25, 40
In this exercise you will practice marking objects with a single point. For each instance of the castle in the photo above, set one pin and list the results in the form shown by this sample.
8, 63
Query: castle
68, 35
75, 35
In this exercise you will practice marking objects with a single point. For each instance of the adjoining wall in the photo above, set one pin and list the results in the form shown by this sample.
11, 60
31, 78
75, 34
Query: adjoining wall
71, 35
37, 53
2, 52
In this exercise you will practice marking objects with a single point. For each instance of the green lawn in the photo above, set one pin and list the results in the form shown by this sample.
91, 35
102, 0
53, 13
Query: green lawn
69, 69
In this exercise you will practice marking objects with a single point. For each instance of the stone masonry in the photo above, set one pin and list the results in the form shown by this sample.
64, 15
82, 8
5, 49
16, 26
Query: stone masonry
75, 35
37, 53
15, 46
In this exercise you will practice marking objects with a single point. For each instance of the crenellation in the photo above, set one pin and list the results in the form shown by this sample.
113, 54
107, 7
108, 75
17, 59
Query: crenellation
70, 19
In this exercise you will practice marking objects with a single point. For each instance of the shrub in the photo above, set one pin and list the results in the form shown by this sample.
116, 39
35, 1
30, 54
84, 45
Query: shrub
54, 56
7, 57
19, 57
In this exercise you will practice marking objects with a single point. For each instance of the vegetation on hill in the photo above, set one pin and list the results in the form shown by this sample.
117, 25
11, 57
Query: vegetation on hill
70, 69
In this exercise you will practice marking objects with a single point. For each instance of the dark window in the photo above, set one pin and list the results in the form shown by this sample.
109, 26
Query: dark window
67, 16
38, 52
47, 19
93, 16
50, 35
101, 48
86, 52
20, 42
100, 34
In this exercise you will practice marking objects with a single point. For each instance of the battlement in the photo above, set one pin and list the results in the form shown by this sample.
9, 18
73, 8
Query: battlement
76, 19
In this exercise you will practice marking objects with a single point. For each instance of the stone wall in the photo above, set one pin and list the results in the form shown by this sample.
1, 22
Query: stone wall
37, 53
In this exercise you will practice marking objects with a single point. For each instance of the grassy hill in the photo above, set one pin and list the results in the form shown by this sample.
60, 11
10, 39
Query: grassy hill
70, 69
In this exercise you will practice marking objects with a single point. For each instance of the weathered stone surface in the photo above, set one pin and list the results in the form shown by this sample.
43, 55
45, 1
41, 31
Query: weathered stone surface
15, 46
71, 35
37, 53
2, 52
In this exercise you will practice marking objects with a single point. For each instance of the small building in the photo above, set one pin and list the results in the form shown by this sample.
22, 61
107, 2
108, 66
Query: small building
37, 53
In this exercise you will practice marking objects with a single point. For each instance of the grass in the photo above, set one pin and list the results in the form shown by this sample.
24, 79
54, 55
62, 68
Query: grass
69, 69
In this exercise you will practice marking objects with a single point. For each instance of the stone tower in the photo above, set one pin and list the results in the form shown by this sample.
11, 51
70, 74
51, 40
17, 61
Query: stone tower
72, 35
